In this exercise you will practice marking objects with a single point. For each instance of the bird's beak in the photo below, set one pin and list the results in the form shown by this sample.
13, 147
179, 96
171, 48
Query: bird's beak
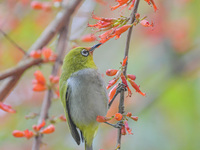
94, 47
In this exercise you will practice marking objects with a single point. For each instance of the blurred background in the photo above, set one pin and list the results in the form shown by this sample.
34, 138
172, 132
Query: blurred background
164, 58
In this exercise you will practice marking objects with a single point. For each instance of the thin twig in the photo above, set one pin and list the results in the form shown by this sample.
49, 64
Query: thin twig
13, 42
61, 47
56, 25
121, 103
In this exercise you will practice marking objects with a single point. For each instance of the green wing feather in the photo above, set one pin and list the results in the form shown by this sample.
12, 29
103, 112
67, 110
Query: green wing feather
65, 98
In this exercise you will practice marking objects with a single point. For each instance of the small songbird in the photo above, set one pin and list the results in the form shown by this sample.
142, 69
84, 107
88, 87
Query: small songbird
83, 94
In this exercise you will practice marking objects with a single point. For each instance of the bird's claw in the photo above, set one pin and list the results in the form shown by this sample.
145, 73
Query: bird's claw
117, 125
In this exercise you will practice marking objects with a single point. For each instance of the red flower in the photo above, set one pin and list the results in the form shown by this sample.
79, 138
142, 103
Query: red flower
36, 54
38, 127
153, 3
28, 134
124, 61
88, 38
131, 76
18, 134
101, 2
54, 79
112, 92
121, 30
146, 23
123, 130
127, 127
111, 72
49, 129
129, 114
103, 22
136, 87
36, 5
107, 35
39, 84
120, 3
118, 116
6, 108
135, 118
39, 77
112, 82
62, 118
132, 4
102, 119
47, 53
39, 87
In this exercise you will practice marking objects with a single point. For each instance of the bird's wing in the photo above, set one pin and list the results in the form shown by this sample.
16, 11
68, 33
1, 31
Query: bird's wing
65, 100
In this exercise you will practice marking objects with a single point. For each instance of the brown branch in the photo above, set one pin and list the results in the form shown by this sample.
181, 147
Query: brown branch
59, 22
121, 103
20, 68
61, 47
13, 42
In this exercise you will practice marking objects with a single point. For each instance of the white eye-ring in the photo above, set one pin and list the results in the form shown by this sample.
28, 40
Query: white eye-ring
84, 52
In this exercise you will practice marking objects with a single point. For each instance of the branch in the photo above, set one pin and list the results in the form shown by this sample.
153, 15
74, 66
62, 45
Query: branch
121, 103
56, 25
13, 42
61, 47
20, 68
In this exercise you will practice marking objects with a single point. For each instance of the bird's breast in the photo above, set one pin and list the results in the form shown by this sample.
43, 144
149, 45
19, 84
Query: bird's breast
88, 96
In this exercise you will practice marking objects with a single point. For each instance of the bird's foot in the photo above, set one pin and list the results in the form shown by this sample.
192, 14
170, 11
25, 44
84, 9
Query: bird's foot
121, 86
117, 125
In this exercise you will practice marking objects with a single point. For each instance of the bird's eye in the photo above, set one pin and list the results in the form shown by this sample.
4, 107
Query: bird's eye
84, 52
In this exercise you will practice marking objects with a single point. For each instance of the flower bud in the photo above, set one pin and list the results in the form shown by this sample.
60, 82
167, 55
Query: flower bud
118, 116
49, 129
111, 72
18, 134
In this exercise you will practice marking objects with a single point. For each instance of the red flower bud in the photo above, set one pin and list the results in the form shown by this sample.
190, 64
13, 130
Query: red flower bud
137, 15
36, 54
54, 79
112, 92
124, 61
49, 129
6, 108
118, 116
121, 30
123, 131
62, 118
88, 38
131, 76
146, 23
102, 119
38, 127
132, 5
136, 87
127, 127
28, 134
36, 5
112, 82
129, 114
46, 52
39, 77
135, 118
18, 134
39, 87
111, 72
120, 3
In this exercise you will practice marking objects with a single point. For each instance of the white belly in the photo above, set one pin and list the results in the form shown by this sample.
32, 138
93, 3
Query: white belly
88, 96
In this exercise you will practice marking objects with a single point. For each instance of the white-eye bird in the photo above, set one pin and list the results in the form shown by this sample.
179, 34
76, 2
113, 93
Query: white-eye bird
83, 94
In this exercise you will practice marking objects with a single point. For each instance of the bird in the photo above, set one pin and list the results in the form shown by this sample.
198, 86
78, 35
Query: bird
83, 94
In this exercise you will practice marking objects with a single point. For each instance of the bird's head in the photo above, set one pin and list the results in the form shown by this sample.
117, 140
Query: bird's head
79, 58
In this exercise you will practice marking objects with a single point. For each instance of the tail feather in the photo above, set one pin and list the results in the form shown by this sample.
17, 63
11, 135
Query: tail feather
87, 147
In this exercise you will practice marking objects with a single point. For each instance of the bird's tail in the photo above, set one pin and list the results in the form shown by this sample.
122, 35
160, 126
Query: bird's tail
88, 147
